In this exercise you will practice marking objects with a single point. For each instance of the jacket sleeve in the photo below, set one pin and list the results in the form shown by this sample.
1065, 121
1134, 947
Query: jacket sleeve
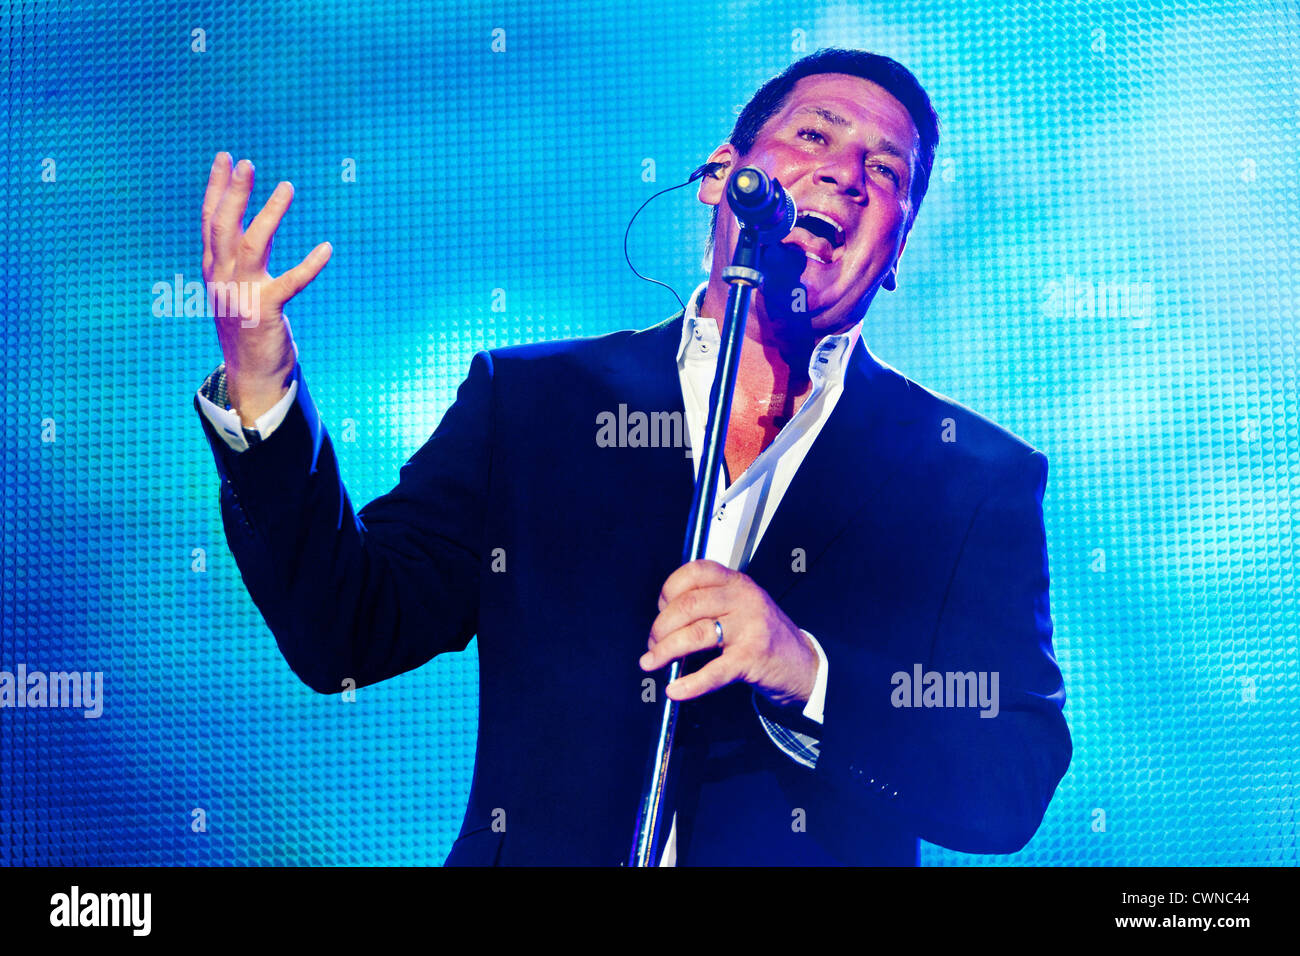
976, 779
366, 596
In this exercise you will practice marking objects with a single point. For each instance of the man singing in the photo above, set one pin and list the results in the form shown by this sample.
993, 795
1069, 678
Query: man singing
868, 643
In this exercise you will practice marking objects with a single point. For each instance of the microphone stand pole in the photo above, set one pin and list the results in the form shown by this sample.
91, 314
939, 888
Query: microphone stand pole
743, 276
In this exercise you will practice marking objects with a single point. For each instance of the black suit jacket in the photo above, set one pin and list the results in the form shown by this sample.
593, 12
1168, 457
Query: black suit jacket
911, 534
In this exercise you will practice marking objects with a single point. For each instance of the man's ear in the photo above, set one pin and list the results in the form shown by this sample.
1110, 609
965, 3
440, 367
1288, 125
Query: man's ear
712, 187
890, 281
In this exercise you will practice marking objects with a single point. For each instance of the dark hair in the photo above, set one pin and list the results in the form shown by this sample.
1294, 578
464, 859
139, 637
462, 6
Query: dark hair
895, 78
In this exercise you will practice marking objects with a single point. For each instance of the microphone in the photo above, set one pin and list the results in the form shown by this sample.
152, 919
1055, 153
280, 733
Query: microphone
761, 203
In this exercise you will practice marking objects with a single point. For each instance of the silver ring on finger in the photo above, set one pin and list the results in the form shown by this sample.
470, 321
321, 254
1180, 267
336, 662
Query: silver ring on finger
717, 629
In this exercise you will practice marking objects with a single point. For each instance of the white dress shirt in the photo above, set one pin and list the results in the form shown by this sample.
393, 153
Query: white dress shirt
742, 511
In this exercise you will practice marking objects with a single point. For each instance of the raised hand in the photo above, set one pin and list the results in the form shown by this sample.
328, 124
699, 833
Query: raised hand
246, 300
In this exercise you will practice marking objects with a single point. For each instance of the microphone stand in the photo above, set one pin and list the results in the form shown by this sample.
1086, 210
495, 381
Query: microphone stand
743, 276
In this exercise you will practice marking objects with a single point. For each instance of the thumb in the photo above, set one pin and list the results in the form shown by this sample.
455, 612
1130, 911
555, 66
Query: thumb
290, 283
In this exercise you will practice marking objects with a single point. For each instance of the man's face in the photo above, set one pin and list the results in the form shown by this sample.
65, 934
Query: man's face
845, 150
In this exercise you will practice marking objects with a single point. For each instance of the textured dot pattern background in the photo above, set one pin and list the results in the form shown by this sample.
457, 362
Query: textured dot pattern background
1105, 264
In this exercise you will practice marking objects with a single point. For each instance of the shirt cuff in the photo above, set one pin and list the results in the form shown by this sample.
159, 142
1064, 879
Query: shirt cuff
816, 706
212, 398
800, 747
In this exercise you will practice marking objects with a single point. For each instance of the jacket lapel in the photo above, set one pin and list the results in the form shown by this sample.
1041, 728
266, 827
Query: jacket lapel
660, 480
871, 434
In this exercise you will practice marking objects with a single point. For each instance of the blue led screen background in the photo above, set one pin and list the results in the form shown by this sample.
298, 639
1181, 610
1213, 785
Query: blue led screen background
1104, 264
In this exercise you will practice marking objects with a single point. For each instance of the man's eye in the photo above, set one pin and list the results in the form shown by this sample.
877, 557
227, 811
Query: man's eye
812, 134
890, 171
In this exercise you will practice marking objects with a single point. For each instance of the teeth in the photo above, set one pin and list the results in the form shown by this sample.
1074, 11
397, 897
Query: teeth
812, 255
839, 230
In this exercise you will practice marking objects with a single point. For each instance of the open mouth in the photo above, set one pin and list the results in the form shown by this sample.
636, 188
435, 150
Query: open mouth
823, 235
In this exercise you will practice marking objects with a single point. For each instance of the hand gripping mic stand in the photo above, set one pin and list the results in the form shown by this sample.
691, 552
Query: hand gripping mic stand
766, 214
